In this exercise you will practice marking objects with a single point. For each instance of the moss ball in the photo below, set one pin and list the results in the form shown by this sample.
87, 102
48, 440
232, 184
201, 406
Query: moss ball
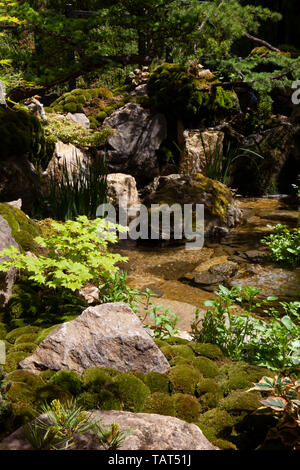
67, 380
206, 366
187, 407
47, 374
25, 347
180, 361
12, 360
14, 334
160, 403
211, 351
20, 392
23, 413
182, 350
94, 379
160, 342
51, 392
221, 422
157, 382
3, 330
108, 401
183, 379
224, 445
209, 393
174, 340
26, 338
240, 376
238, 402
101, 116
30, 379
131, 391
88, 400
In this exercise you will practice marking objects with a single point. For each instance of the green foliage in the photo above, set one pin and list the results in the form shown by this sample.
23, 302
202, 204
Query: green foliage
110, 437
284, 404
113, 288
284, 245
77, 252
76, 189
175, 92
165, 323
240, 336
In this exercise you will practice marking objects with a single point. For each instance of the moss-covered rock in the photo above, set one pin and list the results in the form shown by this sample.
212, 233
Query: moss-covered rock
219, 420
183, 379
160, 403
237, 402
212, 351
157, 382
22, 413
173, 91
67, 380
24, 230
206, 366
94, 379
131, 391
22, 134
187, 407
223, 444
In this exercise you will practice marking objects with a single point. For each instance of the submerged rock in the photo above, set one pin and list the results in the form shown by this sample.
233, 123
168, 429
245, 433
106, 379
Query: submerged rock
108, 335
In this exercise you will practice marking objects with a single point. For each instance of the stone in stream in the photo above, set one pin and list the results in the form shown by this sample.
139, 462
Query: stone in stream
147, 432
108, 335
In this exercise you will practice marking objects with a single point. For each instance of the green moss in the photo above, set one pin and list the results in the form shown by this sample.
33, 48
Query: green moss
51, 392
44, 333
174, 340
20, 392
160, 343
183, 379
23, 413
25, 347
101, 116
17, 332
67, 380
13, 359
26, 338
30, 379
183, 351
88, 400
240, 376
238, 402
24, 230
157, 382
131, 391
173, 91
160, 403
224, 445
219, 420
22, 134
108, 401
206, 366
209, 393
3, 330
47, 374
208, 350
94, 379
187, 407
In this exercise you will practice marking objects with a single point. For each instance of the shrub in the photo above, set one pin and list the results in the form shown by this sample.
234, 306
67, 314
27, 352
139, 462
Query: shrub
284, 245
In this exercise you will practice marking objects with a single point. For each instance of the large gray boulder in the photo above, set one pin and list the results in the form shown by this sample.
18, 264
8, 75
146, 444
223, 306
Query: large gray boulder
138, 135
7, 279
148, 432
108, 335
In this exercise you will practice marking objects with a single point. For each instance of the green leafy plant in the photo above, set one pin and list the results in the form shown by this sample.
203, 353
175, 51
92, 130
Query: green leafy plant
76, 189
76, 253
55, 430
110, 437
165, 322
242, 336
219, 163
284, 245
284, 403
113, 288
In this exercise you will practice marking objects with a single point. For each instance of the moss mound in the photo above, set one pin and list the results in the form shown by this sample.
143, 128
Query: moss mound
12, 360
175, 92
88, 400
183, 379
25, 347
94, 379
187, 407
237, 402
67, 380
211, 351
25, 377
131, 392
160, 403
108, 401
240, 376
182, 350
22, 134
156, 382
206, 366
209, 393
219, 420
23, 229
